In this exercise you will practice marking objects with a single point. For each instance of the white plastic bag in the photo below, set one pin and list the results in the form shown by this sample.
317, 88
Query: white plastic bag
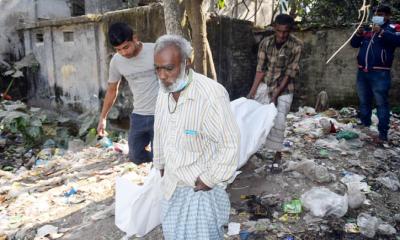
255, 120
322, 202
138, 208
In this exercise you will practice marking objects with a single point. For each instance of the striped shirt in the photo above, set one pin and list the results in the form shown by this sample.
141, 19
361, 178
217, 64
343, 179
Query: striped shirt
199, 139
278, 63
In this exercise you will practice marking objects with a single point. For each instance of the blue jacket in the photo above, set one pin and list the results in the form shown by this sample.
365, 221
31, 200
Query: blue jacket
377, 50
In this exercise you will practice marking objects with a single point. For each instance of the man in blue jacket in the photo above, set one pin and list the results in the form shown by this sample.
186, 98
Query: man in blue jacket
375, 59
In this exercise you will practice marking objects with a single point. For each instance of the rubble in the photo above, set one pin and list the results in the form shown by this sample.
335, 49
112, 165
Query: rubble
65, 178
358, 180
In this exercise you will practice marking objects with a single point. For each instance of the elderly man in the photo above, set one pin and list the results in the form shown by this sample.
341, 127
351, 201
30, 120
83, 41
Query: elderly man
277, 66
196, 145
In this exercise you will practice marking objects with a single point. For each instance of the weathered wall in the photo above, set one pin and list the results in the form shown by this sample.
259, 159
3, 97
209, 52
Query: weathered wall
73, 72
232, 45
102, 6
338, 78
13, 12
234, 53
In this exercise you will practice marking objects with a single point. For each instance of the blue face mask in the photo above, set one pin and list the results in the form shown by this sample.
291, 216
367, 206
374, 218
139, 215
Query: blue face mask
378, 20
182, 84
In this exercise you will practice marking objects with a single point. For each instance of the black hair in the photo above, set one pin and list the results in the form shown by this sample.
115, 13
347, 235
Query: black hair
384, 9
284, 19
119, 32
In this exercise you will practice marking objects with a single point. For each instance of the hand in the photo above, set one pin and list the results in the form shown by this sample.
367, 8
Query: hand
274, 98
101, 127
360, 31
251, 95
162, 172
200, 186
376, 28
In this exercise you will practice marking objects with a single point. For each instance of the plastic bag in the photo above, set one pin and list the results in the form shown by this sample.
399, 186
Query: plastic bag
367, 224
322, 202
255, 121
138, 208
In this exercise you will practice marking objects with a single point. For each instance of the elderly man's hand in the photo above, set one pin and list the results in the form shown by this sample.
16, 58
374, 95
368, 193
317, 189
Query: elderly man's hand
200, 186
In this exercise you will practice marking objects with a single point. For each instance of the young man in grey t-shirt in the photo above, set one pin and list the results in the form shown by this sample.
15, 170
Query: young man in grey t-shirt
134, 61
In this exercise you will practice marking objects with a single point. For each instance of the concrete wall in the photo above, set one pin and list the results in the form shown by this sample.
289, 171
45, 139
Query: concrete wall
73, 74
14, 12
234, 51
103, 6
338, 78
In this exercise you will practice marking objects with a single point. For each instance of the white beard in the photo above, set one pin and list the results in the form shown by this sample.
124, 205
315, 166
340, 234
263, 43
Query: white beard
179, 83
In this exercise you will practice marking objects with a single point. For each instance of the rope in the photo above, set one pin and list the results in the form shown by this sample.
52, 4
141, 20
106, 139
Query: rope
365, 12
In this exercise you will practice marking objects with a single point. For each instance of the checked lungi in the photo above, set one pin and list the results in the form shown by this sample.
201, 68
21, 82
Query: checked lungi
195, 215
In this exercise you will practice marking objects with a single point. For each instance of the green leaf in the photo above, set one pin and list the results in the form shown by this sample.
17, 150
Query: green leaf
221, 4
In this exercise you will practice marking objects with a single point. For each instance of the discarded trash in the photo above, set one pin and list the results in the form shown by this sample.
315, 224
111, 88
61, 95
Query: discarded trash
289, 217
233, 228
50, 143
71, 192
355, 196
389, 180
322, 202
122, 148
345, 134
311, 170
40, 162
244, 235
324, 153
350, 178
256, 207
47, 230
351, 228
367, 224
386, 229
288, 238
105, 142
293, 206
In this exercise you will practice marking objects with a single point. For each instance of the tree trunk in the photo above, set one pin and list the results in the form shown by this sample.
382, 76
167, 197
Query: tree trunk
175, 23
174, 16
199, 34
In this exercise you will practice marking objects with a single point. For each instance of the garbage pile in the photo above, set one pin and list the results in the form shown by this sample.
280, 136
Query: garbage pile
336, 182
51, 168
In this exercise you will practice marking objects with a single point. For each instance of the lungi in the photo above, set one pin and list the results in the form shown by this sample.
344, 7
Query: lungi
277, 134
195, 215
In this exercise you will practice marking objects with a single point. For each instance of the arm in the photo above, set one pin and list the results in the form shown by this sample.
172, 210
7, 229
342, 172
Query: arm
158, 151
257, 80
356, 40
391, 38
260, 72
109, 99
221, 127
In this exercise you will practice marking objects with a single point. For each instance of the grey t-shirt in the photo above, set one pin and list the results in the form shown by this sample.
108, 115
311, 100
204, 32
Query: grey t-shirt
142, 80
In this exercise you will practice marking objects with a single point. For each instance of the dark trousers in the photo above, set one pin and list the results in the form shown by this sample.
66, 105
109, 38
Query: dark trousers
374, 84
140, 135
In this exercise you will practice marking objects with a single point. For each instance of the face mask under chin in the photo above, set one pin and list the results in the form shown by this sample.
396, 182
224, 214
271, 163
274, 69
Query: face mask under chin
179, 84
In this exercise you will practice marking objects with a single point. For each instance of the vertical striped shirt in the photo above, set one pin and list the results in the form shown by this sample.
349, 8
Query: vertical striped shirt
199, 139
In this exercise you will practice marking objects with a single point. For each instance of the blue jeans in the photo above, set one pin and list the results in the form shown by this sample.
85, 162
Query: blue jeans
374, 84
140, 135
